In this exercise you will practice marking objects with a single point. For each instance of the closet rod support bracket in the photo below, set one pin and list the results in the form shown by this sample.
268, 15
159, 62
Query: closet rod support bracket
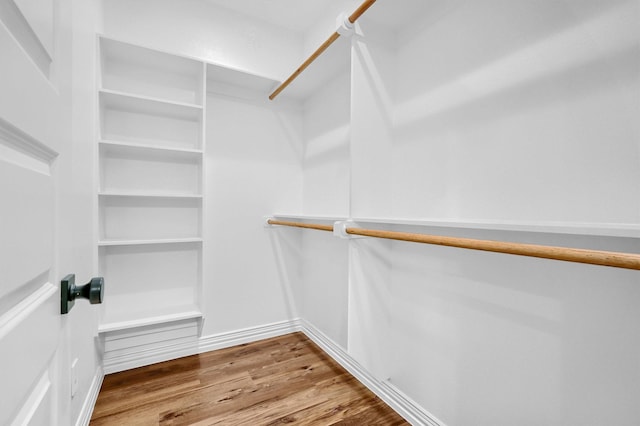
340, 229
345, 27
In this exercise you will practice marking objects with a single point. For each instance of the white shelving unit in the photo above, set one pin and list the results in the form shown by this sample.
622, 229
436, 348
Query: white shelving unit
150, 196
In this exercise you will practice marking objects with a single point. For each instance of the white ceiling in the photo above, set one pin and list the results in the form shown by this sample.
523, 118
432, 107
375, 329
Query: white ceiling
299, 15
295, 15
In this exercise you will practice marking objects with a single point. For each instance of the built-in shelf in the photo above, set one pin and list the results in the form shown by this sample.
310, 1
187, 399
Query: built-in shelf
142, 318
149, 200
307, 218
148, 72
588, 229
149, 217
147, 121
104, 243
238, 84
129, 102
150, 195
109, 143
135, 169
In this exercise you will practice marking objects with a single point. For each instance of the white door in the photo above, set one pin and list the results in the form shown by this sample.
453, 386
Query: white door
35, 129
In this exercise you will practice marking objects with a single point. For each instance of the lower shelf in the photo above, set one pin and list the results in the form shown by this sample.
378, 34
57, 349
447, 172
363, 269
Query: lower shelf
149, 284
118, 320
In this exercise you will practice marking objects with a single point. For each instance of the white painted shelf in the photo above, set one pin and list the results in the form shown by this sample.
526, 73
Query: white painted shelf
150, 193
104, 243
147, 72
125, 321
132, 169
148, 121
150, 100
109, 143
588, 229
133, 103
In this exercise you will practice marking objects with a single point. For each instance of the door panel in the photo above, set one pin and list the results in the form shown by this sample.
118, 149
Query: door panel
29, 299
29, 338
34, 131
27, 197
31, 100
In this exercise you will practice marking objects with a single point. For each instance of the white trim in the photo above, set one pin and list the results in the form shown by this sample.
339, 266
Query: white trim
247, 335
148, 357
204, 344
24, 150
14, 316
90, 401
34, 402
398, 401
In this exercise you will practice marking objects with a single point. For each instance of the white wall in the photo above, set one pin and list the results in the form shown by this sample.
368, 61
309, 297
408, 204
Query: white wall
323, 286
500, 112
520, 111
326, 148
253, 168
205, 31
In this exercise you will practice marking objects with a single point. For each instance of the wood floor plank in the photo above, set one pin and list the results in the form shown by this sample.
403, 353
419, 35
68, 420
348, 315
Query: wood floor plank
283, 380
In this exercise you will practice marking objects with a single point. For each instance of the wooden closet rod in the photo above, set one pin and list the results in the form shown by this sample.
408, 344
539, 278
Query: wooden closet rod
315, 226
328, 42
592, 257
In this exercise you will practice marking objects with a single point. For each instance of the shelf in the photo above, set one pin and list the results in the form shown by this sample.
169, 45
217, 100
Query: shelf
148, 72
124, 321
307, 217
150, 195
135, 170
147, 122
148, 279
573, 228
142, 218
106, 243
108, 143
150, 198
587, 229
148, 105
238, 84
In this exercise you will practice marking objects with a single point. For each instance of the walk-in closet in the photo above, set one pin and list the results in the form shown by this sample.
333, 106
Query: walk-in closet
320, 212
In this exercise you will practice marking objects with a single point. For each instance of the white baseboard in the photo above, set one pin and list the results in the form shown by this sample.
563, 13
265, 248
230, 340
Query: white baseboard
247, 335
398, 401
92, 396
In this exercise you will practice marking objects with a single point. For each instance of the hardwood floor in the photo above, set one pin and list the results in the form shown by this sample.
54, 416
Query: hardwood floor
283, 380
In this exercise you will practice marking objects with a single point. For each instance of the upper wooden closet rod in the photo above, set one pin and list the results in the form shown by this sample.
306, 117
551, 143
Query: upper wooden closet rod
592, 257
354, 16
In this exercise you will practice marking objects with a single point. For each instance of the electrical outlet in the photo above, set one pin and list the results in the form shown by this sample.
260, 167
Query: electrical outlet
74, 377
